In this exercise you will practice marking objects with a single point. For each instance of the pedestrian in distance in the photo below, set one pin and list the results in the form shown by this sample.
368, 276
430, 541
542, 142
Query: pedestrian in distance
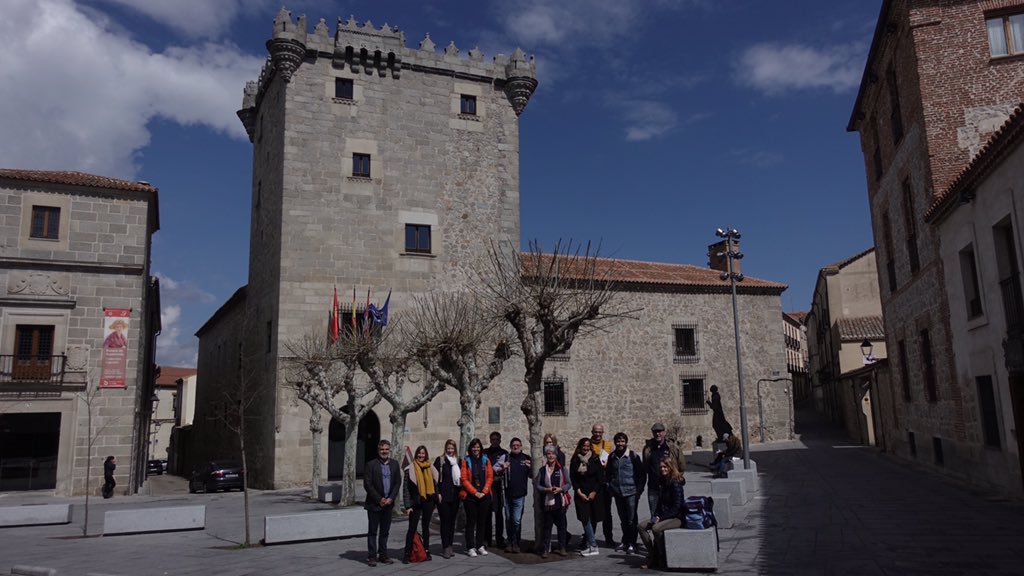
587, 476
669, 513
517, 480
477, 477
449, 483
553, 486
718, 421
382, 481
419, 499
723, 457
498, 457
109, 465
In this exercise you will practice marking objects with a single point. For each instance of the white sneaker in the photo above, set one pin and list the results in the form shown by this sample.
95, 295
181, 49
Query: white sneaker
472, 553
590, 551
620, 548
482, 551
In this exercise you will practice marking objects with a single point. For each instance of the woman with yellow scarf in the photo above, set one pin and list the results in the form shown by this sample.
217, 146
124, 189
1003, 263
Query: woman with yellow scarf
419, 497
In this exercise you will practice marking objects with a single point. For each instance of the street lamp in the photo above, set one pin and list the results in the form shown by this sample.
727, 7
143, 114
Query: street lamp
731, 235
865, 350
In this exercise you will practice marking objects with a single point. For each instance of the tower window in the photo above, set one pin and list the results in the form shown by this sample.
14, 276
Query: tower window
45, 222
417, 238
343, 88
467, 105
1006, 34
361, 165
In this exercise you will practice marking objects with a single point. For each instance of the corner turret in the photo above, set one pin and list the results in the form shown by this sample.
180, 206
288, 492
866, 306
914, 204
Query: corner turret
248, 112
521, 75
287, 46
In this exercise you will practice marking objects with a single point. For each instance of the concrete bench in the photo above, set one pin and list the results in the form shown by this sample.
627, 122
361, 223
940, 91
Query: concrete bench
330, 493
691, 549
723, 510
24, 570
732, 486
35, 515
142, 520
749, 478
737, 464
325, 525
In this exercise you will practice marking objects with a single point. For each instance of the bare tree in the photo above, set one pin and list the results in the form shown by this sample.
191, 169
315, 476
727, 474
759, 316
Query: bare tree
549, 299
309, 355
90, 398
459, 344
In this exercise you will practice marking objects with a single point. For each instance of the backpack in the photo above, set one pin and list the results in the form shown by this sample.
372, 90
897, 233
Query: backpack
418, 552
700, 512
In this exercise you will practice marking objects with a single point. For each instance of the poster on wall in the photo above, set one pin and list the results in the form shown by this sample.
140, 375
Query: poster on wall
115, 347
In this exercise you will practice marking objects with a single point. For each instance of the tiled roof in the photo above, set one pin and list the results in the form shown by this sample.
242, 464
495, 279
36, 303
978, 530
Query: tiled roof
797, 316
75, 179
169, 375
659, 273
1002, 141
863, 328
847, 261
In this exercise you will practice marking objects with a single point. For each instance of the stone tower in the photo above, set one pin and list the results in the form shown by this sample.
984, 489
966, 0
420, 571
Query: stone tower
375, 166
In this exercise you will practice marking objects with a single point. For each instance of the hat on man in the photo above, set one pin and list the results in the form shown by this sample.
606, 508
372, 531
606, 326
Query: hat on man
658, 427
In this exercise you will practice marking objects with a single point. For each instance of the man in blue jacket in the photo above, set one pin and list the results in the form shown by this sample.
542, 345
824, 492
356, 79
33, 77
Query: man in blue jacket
625, 476
382, 480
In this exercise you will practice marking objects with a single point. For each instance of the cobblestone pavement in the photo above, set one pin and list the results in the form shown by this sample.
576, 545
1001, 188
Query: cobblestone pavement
823, 508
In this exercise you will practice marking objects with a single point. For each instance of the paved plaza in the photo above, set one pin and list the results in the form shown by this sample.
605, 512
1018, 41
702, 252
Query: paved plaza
824, 507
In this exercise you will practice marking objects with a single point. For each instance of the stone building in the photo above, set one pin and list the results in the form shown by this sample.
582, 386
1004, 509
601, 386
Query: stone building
78, 319
940, 78
175, 403
388, 168
795, 333
978, 220
845, 311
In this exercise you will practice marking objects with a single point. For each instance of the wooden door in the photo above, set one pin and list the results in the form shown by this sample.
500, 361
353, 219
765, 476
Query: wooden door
33, 354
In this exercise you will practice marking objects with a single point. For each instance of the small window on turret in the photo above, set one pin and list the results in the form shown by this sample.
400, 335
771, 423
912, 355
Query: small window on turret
361, 165
467, 105
343, 88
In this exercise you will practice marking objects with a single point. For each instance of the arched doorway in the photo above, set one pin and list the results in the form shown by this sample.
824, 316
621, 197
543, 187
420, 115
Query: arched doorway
367, 436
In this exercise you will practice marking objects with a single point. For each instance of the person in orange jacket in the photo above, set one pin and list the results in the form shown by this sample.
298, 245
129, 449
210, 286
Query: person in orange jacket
477, 477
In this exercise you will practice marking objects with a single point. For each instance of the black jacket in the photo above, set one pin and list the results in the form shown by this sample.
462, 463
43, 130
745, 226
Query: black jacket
517, 478
373, 483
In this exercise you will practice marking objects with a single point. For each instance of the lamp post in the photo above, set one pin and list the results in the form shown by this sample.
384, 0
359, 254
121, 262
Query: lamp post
731, 235
865, 350
154, 424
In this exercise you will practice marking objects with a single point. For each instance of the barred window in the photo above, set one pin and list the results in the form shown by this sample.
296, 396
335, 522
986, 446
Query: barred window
692, 395
554, 396
685, 343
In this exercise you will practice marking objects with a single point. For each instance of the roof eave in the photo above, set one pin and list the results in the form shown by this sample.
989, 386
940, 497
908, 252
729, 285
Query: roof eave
876, 41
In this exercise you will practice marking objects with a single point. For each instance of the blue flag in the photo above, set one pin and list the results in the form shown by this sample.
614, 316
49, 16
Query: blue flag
380, 315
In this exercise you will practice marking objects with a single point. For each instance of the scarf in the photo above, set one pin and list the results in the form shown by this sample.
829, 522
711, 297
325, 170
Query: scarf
424, 479
550, 499
456, 469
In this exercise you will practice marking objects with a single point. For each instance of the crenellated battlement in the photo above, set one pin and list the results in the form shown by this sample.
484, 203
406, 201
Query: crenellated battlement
367, 49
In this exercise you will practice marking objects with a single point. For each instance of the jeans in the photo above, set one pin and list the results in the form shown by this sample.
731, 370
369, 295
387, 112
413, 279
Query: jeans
656, 532
420, 515
652, 498
626, 507
379, 525
515, 519
588, 534
477, 512
447, 510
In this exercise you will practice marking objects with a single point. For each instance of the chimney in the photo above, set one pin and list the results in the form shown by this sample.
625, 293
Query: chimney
721, 263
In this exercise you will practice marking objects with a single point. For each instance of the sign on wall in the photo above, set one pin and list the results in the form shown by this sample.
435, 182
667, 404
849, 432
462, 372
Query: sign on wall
115, 347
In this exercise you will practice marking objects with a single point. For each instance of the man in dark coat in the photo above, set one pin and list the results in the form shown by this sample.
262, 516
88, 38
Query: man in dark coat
382, 480
718, 421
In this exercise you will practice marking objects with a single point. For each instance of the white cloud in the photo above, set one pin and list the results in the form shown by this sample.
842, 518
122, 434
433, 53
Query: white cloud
170, 350
778, 68
78, 93
569, 25
182, 291
758, 158
194, 18
647, 119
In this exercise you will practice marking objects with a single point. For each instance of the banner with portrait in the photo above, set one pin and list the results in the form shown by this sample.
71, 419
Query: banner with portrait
114, 363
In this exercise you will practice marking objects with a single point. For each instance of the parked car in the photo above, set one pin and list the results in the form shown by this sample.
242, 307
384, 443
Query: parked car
154, 467
217, 475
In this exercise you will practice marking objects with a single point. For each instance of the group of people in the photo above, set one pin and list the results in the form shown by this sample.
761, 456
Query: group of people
492, 485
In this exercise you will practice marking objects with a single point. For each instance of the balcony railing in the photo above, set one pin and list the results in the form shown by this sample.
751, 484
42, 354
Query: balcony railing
20, 373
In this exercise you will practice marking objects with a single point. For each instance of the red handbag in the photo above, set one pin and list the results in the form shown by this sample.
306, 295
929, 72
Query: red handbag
418, 552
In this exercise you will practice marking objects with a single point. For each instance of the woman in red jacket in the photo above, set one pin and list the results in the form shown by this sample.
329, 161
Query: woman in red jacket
477, 476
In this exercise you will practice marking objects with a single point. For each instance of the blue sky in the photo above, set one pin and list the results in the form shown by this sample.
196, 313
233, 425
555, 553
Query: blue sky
655, 122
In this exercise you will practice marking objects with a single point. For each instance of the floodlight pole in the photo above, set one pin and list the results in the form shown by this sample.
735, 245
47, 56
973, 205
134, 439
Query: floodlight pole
731, 234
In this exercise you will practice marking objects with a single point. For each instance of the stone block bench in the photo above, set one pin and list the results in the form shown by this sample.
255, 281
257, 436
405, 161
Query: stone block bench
749, 478
734, 487
143, 520
307, 526
329, 493
737, 464
691, 549
35, 515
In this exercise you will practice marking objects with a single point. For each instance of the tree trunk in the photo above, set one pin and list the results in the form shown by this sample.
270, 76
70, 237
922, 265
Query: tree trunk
317, 429
245, 476
397, 418
88, 468
467, 418
531, 408
348, 476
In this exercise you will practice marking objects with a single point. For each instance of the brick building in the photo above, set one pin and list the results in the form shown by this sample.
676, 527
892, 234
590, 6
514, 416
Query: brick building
391, 168
78, 321
941, 77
